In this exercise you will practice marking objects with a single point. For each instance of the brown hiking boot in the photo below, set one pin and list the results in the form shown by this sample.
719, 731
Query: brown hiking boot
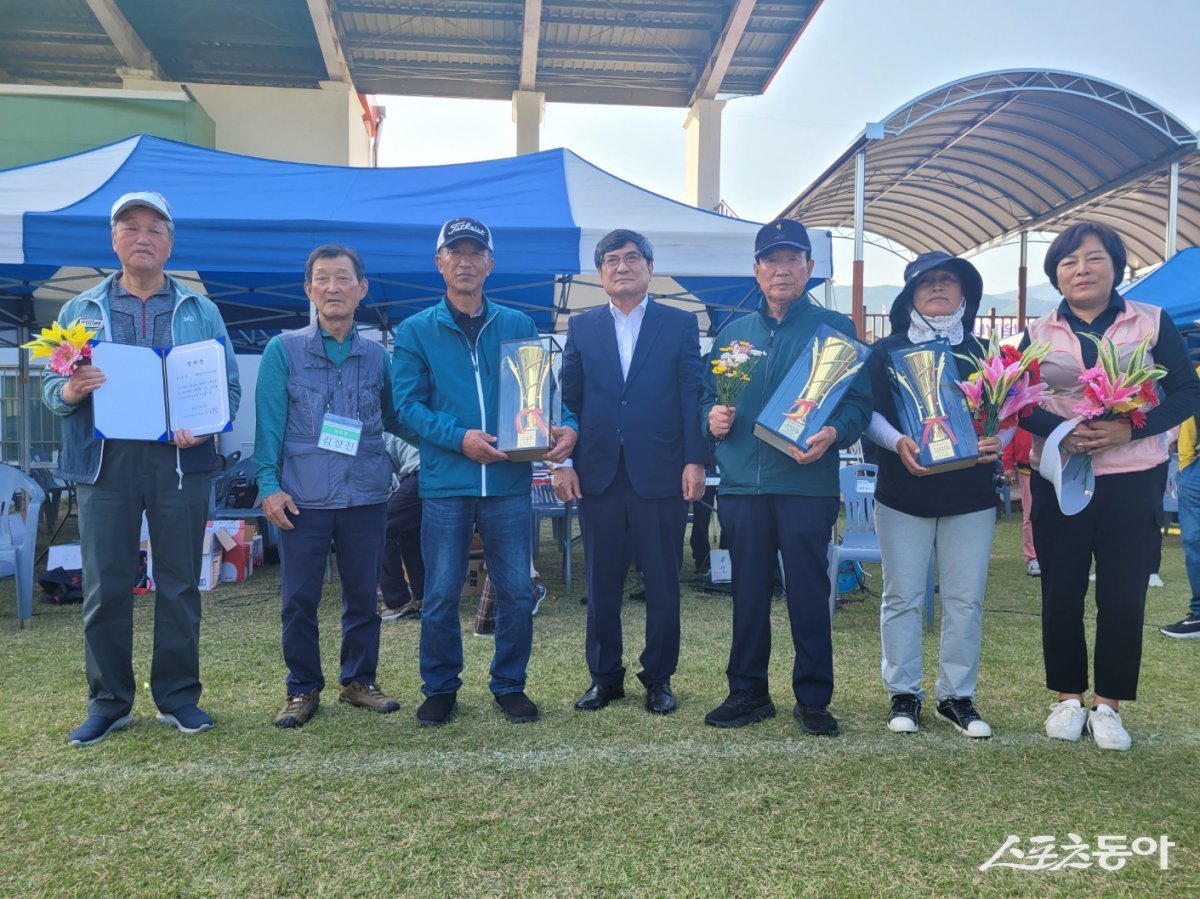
298, 709
368, 696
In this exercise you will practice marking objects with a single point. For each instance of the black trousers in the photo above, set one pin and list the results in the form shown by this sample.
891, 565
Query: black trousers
799, 527
701, 516
613, 522
1120, 530
402, 547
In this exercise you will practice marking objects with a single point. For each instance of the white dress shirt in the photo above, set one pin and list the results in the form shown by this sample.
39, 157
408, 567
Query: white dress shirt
628, 327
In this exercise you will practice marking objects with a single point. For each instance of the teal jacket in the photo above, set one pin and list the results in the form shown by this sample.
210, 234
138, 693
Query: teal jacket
443, 388
196, 318
749, 465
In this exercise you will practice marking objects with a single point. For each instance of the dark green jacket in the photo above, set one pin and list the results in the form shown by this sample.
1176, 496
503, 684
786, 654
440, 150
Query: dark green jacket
750, 466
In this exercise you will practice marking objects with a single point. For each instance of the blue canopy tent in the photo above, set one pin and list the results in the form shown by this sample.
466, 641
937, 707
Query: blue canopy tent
244, 226
1175, 287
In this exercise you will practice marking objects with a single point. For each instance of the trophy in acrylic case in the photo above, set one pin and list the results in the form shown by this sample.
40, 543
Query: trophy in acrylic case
933, 411
530, 402
810, 392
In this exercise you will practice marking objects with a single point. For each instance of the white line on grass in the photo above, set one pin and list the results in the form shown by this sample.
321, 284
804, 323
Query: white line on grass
687, 752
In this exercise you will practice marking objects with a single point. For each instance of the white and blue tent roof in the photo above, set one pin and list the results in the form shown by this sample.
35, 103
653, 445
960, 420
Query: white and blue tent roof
245, 225
1175, 287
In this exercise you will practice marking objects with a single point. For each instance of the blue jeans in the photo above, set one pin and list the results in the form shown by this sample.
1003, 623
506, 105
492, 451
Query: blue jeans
1189, 526
446, 527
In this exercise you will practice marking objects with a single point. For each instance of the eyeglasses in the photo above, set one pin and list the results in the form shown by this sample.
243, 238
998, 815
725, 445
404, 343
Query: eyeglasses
631, 260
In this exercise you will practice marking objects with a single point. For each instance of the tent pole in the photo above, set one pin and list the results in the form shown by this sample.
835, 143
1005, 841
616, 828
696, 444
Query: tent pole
1172, 212
23, 397
1022, 282
860, 187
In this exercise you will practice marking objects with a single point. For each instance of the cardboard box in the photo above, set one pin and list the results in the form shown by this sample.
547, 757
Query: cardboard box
210, 560
237, 563
256, 551
476, 572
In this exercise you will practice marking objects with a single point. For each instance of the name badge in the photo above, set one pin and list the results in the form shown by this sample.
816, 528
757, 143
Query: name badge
340, 435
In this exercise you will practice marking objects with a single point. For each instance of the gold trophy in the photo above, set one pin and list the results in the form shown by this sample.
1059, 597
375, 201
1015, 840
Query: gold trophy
836, 361
923, 383
531, 370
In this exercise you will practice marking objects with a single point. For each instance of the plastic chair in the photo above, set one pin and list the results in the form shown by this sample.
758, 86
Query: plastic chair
18, 539
561, 515
859, 541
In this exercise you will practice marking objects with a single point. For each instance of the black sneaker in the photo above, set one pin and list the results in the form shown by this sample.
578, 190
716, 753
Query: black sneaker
517, 707
1189, 627
960, 712
740, 708
437, 709
816, 721
905, 716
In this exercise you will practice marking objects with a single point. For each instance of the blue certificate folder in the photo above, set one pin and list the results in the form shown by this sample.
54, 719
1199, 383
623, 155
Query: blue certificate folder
810, 392
932, 409
149, 393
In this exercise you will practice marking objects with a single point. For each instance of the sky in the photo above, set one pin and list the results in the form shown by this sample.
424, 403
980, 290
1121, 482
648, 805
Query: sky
857, 62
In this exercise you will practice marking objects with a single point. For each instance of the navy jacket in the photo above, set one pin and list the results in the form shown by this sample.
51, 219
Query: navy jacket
653, 415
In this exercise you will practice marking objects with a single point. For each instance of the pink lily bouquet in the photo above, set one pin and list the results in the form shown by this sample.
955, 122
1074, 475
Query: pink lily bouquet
67, 348
1005, 384
1112, 391
732, 370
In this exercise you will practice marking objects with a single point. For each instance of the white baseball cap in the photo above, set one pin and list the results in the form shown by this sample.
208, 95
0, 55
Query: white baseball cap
146, 198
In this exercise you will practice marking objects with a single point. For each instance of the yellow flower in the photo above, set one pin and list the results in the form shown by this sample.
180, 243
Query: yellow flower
75, 335
719, 369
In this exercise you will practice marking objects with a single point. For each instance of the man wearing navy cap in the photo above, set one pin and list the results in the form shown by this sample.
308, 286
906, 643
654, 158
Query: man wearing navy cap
774, 504
446, 378
120, 479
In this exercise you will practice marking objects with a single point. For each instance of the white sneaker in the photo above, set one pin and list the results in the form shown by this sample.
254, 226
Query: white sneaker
1067, 720
1033, 569
1155, 580
1104, 724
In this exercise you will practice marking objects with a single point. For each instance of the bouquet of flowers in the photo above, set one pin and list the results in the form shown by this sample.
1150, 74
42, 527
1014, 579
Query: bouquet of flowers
732, 370
1114, 392
67, 348
1005, 384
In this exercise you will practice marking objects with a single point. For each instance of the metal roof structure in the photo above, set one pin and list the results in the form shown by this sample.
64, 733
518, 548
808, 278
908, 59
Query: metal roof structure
978, 161
641, 52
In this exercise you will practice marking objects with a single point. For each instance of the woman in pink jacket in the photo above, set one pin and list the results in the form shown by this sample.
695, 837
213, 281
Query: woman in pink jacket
1118, 528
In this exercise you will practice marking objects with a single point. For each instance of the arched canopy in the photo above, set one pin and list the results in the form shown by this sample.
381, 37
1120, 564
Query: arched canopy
976, 161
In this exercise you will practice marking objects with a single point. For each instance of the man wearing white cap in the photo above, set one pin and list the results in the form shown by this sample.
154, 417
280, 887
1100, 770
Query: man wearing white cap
118, 480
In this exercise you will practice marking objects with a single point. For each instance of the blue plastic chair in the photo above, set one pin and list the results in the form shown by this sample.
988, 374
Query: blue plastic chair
859, 540
18, 539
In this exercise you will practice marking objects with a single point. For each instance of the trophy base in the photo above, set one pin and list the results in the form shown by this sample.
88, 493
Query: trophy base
949, 465
779, 441
526, 453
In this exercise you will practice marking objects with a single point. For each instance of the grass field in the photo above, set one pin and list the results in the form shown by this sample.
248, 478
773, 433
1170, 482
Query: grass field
612, 803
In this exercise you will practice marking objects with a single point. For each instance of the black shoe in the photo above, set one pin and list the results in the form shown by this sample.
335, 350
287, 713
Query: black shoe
960, 712
660, 700
816, 721
905, 715
740, 708
1188, 627
517, 707
437, 709
597, 696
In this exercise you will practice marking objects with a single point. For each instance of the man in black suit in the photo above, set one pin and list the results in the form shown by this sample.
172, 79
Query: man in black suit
632, 372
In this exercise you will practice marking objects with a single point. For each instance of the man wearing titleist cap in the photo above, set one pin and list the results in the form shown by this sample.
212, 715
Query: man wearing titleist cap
446, 374
775, 504
120, 479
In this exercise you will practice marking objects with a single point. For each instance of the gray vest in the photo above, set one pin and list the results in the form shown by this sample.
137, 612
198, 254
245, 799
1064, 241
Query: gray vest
321, 479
